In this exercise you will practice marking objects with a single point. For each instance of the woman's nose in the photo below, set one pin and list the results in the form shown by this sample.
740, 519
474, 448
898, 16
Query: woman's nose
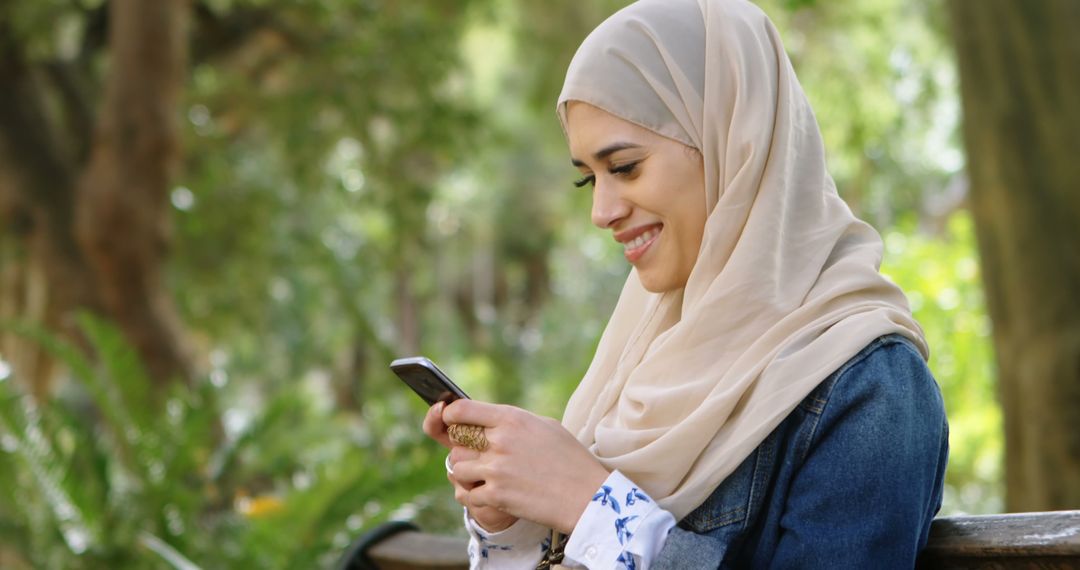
607, 206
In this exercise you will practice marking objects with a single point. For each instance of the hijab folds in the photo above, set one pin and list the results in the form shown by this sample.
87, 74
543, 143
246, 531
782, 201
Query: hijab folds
686, 384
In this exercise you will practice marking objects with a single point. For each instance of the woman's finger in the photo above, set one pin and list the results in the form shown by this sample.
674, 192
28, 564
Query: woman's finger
469, 474
459, 453
463, 488
461, 495
434, 426
483, 497
473, 413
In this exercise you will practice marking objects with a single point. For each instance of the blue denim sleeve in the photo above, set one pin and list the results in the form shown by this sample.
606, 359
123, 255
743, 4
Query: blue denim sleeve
873, 468
851, 479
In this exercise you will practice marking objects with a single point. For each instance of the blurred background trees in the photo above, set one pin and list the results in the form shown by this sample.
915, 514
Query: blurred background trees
1020, 73
88, 152
267, 200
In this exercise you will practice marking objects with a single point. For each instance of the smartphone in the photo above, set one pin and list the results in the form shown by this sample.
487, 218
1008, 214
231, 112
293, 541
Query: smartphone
430, 383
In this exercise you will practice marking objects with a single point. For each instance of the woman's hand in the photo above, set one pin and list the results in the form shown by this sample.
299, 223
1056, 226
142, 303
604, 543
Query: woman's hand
532, 468
434, 426
490, 519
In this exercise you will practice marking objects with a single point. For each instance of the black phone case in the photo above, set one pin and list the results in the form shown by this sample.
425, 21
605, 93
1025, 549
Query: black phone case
427, 380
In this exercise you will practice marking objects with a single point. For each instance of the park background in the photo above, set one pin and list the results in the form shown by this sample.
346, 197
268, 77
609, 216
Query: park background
221, 219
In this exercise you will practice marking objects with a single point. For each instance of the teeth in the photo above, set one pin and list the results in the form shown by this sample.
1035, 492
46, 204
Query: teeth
640, 240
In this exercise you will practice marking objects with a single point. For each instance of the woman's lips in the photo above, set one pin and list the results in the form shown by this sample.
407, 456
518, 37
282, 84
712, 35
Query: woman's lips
634, 249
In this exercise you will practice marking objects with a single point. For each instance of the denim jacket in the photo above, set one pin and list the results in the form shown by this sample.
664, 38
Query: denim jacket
851, 479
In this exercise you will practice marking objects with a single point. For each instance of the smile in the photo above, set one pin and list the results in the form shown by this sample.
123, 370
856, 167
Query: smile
634, 249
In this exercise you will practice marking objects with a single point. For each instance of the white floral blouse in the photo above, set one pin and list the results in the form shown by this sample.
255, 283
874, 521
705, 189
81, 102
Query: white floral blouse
622, 528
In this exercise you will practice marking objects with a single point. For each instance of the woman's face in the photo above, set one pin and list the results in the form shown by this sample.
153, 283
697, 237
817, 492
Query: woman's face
649, 190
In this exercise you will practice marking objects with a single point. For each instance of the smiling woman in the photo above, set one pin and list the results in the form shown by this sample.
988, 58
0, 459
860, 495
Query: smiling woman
647, 189
760, 396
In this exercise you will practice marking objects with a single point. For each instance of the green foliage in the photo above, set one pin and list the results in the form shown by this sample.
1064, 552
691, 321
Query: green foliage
110, 476
368, 178
881, 78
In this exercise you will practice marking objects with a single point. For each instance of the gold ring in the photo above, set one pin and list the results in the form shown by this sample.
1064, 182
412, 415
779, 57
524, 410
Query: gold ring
467, 435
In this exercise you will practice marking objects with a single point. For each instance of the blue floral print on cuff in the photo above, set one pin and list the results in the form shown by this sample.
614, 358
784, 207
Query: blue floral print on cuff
629, 506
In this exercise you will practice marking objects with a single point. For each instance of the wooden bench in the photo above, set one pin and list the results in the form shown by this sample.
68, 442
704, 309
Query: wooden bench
1024, 540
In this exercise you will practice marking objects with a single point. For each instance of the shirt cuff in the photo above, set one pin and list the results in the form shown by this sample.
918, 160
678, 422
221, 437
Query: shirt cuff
520, 532
519, 546
621, 528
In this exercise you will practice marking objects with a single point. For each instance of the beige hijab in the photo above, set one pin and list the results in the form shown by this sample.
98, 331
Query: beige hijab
685, 384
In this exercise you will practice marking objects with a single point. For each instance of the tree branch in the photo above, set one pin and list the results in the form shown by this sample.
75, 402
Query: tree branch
215, 36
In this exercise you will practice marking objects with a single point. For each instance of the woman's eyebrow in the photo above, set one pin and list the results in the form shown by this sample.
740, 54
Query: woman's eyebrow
606, 152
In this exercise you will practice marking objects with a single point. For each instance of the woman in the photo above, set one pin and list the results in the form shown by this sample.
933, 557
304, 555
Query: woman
760, 396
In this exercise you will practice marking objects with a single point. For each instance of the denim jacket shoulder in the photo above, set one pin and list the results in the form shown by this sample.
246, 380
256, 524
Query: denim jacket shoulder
743, 512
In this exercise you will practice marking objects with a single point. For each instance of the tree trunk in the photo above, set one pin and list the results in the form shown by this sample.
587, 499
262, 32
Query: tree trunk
91, 232
1019, 64
44, 274
122, 214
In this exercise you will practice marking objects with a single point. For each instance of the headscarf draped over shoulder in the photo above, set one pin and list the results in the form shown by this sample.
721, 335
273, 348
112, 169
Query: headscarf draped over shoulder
686, 384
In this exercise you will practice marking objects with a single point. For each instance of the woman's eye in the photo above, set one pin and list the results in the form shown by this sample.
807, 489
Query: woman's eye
588, 180
623, 170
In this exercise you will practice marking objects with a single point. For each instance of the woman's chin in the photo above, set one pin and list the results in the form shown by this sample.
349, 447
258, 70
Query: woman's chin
656, 282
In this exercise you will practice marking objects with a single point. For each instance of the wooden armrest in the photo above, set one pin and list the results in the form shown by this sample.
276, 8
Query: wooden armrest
1023, 540
421, 551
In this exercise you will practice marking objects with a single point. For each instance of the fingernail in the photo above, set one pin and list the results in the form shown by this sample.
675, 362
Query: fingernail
439, 406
